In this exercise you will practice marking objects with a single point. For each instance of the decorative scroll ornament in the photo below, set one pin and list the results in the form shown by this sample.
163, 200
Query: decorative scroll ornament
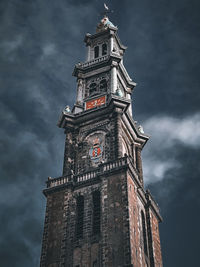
119, 92
140, 128
67, 109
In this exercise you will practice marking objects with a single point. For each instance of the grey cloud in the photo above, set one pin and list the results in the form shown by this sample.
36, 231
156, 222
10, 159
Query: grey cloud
178, 197
167, 134
167, 130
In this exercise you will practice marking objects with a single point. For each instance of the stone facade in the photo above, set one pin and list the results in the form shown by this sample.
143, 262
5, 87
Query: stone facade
98, 213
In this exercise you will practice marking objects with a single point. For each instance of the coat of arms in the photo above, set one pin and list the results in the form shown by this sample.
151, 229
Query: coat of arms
96, 150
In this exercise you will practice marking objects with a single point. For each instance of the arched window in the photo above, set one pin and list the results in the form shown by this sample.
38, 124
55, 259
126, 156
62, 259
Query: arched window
93, 88
144, 233
96, 212
96, 51
79, 216
104, 49
103, 86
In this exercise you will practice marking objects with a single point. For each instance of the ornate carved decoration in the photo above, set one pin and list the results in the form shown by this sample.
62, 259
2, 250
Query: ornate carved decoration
97, 85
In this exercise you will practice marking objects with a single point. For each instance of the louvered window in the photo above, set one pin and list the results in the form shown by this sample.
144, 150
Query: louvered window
104, 49
96, 51
144, 233
79, 216
93, 89
103, 86
96, 212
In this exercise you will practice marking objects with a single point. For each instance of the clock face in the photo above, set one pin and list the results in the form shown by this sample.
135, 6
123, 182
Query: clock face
96, 102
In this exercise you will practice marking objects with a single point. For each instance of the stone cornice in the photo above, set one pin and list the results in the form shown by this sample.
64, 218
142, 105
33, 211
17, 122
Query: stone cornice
112, 31
70, 120
81, 69
133, 130
97, 63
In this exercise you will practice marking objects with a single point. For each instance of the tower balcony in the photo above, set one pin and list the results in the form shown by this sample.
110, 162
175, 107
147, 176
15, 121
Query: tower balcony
97, 63
93, 175
92, 62
103, 170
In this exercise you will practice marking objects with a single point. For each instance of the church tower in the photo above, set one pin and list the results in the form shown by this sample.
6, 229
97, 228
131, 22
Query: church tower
98, 212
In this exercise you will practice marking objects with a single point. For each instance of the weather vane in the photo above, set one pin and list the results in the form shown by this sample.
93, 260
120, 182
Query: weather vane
106, 10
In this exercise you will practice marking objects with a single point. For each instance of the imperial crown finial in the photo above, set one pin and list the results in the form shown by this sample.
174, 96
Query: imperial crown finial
105, 22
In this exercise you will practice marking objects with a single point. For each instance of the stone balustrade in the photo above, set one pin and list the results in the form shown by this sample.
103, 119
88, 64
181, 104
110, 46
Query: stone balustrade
93, 62
84, 177
52, 182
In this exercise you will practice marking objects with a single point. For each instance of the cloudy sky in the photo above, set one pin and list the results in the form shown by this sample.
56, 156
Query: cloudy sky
40, 41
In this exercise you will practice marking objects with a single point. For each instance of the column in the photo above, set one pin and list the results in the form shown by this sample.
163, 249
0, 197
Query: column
88, 53
79, 91
130, 106
113, 79
118, 131
111, 43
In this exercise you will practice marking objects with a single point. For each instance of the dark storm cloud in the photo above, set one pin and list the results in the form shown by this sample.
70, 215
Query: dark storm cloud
36, 63
164, 47
40, 41
178, 195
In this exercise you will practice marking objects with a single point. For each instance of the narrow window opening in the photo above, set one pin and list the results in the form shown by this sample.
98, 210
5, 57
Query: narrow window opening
104, 49
132, 150
96, 212
79, 216
93, 89
103, 85
144, 233
137, 160
96, 51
